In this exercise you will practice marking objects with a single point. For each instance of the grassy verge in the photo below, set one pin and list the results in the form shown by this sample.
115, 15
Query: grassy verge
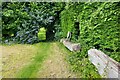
80, 64
30, 70
14, 57
22, 61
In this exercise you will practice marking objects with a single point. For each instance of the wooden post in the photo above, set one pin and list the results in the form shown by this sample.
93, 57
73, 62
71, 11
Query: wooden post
107, 67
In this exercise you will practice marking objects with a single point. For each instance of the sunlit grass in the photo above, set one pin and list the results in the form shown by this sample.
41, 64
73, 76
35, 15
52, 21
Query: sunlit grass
22, 60
15, 57
80, 65
30, 70
25, 61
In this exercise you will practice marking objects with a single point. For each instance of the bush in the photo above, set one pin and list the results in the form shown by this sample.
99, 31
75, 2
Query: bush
42, 34
98, 26
21, 21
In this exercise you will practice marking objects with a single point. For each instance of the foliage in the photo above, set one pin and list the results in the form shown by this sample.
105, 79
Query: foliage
81, 66
99, 28
42, 34
22, 20
98, 24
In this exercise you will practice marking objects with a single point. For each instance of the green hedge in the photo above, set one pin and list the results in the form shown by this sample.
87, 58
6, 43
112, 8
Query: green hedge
21, 21
99, 28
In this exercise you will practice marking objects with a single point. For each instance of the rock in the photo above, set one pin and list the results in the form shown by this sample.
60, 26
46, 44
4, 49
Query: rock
71, 46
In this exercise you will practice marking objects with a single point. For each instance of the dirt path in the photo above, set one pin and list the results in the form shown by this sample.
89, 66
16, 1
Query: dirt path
55, 66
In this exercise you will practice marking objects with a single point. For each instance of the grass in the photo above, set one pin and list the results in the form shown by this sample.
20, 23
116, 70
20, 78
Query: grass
31, 70
0, 63
23, 60
79, 64
14, 57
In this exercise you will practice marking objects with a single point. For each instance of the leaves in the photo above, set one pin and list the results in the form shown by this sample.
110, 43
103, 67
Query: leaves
27, 18
98, 29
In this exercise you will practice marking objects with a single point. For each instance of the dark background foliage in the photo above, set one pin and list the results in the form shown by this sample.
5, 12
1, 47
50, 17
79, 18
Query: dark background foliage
21, 21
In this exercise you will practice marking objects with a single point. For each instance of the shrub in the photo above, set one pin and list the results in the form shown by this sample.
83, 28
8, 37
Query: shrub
22, 20
42, 34
98, 26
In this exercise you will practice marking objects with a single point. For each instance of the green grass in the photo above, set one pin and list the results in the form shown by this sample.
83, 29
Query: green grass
37, 53
79, 64
31, 70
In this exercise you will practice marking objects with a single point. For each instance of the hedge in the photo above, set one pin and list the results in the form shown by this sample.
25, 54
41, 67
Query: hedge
21, 21
98, 22
99, 28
